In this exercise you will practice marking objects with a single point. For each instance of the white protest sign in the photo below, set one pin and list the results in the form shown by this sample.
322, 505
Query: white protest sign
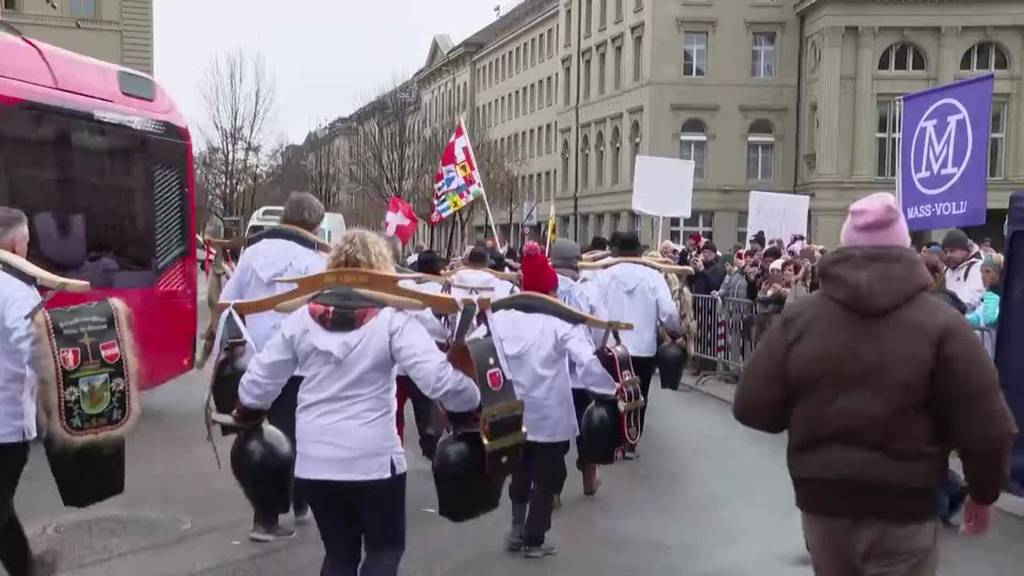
779, 216
663, 187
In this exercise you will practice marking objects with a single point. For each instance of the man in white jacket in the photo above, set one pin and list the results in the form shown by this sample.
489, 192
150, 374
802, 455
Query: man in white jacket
638, 294
288, 251
18, 297
475, 280
963, 269
537, 350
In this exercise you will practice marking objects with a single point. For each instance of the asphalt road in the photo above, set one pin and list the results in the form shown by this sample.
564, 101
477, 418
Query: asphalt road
707, 497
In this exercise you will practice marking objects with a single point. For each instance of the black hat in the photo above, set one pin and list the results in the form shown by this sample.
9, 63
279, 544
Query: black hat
629, 244
615, 239
709, 247
956, 239
598, 243
759, 239
773, 253
428, 262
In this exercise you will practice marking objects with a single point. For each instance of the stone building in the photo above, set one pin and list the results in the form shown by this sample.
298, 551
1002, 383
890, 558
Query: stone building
117, 31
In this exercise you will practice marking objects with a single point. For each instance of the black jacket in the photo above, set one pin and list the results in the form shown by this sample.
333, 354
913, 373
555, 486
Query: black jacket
710, 278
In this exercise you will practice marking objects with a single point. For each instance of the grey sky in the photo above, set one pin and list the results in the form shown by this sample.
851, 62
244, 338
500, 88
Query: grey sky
327, 56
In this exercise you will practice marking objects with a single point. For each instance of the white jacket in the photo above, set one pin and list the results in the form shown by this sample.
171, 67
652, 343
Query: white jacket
965, 281
575, 295
254, 278
473, 278
17, 379
537, 350
345, 422
637, 294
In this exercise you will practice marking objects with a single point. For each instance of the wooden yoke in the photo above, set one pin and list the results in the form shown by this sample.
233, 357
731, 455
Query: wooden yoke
659, 265
42, 277
385, 283
532, 303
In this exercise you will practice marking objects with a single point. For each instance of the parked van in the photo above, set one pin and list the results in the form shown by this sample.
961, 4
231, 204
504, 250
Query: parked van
331, 229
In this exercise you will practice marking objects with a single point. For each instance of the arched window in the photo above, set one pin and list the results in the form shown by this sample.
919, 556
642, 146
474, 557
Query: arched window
635, 138
585, 163
599, 163
693, 145
760, 151
902, 57
984, 57
565, 166
616, 157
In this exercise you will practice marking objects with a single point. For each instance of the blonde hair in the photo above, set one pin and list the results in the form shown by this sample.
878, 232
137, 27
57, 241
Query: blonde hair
361, 249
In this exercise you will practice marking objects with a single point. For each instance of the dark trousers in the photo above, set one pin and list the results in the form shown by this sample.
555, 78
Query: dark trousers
423, 411
540, 476
644, 366
354, 515
15, 554
580, 401
282, 416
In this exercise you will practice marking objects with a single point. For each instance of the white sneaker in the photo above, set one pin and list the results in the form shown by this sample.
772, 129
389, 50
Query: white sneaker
264, 534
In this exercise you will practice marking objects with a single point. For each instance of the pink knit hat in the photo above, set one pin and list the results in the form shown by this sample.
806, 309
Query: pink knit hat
875, 221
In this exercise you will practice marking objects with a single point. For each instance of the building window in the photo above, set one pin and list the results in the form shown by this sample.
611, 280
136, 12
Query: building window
616, 158
762, 63
566, 76
693, 145
602, 15
599, 160
533, 97
760, 151
551, 43
638, 57
741, 228
533, 51
601, 66
547, 186
588, 16
695, 54
618, 10
997, 142
548, 133
83, 8
887, 138
547, 90
11, 5
618, 66
902, 57
585, 163
504, 68
634, 142
984, 57
699, 223
568, 25
565, 165
586, 78
541, 53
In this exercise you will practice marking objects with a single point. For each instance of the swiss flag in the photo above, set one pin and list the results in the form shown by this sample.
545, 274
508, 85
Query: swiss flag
400, 220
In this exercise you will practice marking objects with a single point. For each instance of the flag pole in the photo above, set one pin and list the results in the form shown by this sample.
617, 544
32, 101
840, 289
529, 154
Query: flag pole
551, 221
483, 190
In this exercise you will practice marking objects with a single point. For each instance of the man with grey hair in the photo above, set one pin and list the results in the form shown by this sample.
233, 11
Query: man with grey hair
286, 251
18, 297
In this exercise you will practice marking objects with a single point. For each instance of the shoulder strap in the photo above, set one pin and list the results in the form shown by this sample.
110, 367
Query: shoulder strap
18, 275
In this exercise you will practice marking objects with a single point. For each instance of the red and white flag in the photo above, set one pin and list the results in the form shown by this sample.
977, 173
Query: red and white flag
400, 220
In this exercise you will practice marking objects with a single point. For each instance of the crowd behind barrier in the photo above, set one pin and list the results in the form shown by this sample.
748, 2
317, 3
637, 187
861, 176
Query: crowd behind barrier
728, 329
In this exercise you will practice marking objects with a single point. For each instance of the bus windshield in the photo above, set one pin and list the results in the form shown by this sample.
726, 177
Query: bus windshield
106, 202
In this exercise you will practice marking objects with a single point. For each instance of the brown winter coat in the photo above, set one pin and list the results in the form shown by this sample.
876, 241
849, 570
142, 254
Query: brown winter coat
876, 381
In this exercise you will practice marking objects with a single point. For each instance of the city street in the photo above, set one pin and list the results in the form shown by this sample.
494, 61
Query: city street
707, 497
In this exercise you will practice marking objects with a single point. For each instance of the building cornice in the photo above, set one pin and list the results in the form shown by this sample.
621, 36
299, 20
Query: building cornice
61, 21
804, 5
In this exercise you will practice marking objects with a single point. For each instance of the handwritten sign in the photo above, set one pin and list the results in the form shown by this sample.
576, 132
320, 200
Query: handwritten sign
663, 187
777, 215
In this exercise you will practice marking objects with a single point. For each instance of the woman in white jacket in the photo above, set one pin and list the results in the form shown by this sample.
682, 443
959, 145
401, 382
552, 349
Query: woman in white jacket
349, 460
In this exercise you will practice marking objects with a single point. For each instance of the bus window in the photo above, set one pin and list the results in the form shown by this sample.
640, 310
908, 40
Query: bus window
106, 203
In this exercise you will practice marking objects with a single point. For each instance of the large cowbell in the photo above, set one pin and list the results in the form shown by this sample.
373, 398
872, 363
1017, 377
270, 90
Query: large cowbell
616, 360
234, 348
501, 415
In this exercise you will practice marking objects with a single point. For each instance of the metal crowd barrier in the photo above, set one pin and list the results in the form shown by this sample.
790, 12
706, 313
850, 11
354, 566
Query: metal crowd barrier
725, 335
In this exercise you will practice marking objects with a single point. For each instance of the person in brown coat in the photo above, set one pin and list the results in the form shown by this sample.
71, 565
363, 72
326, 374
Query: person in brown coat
876, 382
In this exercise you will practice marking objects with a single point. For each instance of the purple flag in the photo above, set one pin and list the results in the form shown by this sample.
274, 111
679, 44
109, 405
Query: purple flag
944, 155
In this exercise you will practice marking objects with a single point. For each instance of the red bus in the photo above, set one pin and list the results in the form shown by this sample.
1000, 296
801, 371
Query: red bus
100, 160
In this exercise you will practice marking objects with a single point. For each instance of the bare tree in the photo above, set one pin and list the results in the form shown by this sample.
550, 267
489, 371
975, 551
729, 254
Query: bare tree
389, 159
239, 96
324, 166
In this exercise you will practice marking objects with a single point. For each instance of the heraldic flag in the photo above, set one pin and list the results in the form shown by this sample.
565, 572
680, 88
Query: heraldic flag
457, 181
